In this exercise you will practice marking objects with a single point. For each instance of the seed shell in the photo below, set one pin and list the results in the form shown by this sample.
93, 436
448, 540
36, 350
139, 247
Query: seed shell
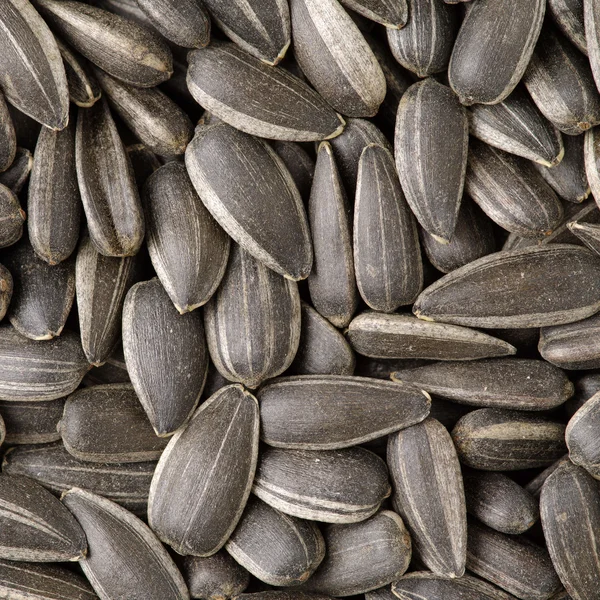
588, 233
84, 90
569, 16
8, 137
391, 14
31, 422
581, 439
214, 577
6, 290
591, 19
12, 217
591, 154
16, 175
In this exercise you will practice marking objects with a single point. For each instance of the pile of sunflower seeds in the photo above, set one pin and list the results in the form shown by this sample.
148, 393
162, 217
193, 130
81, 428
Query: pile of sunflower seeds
339, 339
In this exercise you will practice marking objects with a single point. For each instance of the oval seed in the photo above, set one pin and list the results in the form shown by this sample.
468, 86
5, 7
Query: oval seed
215, 577
8, 137
581, 439
16, 175
12, 217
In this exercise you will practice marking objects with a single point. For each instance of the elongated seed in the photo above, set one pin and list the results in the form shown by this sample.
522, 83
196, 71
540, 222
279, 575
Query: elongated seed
31, 422
8, 136
569, 16
84, 90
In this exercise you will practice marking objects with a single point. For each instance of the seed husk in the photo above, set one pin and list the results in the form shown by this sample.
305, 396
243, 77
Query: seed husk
588, 233
391, 14
547, 285
215, 577
16, 175
8, 137
6, 290
569, 16
591, 154
12, 217
156, 338
189, 250
276, 548
222, 437
84, 90
380, 335
591, 19
246, 93
431, 142
429, 495
333, 486
117, 45
31, 422
53, 467
298, 162
250, 193
130, 9
507, 440
581, 438
121, 543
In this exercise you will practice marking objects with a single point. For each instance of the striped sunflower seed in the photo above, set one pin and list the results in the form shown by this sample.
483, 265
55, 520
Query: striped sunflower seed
333, 486
581, 438
431, 142
256, 99
215, 577
8, 137
569, 16
547, 285
120, 542
84, 90
12, 217
588, 233
391, 14
507, 440
276, 548
429, 495
247, 189
591, 154
299, 163
6, 290
222, 437
31, 422
327, 412
16, 175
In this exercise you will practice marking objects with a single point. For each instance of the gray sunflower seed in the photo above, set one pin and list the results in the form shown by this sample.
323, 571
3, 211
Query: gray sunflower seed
274, 547
335, 57
33, 78
547, 285
281, 595
424, 45
510, 191
165, 354
334, 486
101, 283
591, 154
516, 125
110, 197
507, 440
569, 16
588, 233
379, 335
107, 424
322, 349
428, 494
591, 18
515, 383
12, 217
534, 487
511, 562
581, 439
150, 114
332, 283
84, 90
144, 163
222, 437
327, 412
492, 49
53, 201
250, 193
8, 137
189, 250
113, 370
16, 175
6, 290
387, 255
431, 142
251, 96
52, 466
561, 84
499, 502
391, 14
215, 577
35, 526
31, 422
120, 542
119, 46
300, 165
42, 294
39, 371
586, 212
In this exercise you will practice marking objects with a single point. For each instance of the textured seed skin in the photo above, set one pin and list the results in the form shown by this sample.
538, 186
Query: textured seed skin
499, 502
276, 548
533, 287
8, 137
492, 49
561, 84
119, 46
591, 154
35, 526
250, 193
165, 354
387, 255
12, 217
588, 233
189, 250
31, 422
591, 21
121, 543
252, 322
580, 437
299, 163
335, 57
84, 90
429, 495
6, 290
215, 577
505, 440
569, 16
16, 175
511, 562
332, 281
333, 486
265, 102
222, 437
391, 14
431, 142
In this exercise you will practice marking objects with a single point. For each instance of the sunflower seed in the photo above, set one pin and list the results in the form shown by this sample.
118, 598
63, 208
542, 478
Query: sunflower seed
492, 49
12, 217
188, 248
119, 46
16, 175
588, 233
586, 212
298, 162
31, 422
120, 542
334, 486
547, 285
6, 290
222, 437
569, 16
391, 14
130, 9
431, 142
428, 494
591, 18
84, 90
581, 439
591, 153
251, 96
215, 577
247, 189
281, 595
507, 440
8, 137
